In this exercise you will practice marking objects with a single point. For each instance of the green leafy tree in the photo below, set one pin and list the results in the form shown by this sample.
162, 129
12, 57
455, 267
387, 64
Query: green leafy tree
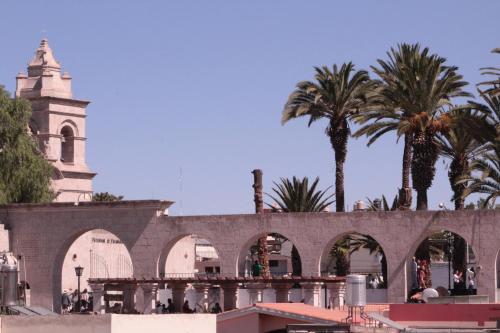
298, 195
336, 96
106, 197
340, 253
416, 88
24, 174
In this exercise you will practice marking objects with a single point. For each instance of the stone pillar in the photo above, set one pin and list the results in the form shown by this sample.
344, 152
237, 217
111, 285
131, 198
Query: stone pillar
178, 295
337, 294
149, 298
129, 298
255, 292
201, 297
397, 279
311, 292
230, 292
282, 291
97, 297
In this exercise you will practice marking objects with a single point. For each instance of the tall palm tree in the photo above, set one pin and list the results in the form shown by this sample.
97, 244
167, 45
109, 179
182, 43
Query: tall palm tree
486, 129
488, 182
298, 196
336, 96
416, 87
459, 145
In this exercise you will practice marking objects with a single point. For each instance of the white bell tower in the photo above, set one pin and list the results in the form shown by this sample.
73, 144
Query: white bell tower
58, 122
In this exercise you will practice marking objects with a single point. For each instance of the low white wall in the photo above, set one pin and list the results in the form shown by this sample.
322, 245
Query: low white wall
4, 238
110, 323
56, 324
185, 323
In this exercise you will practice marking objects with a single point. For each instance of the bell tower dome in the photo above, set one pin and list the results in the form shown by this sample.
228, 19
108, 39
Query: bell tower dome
58, 123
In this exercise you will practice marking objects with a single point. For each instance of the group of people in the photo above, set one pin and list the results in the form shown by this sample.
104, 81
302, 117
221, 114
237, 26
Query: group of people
469, 281
169, 308
421, 270
419, 273
69, 301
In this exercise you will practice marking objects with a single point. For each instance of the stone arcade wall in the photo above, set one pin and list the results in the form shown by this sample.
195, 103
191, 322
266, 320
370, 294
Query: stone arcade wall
43, 233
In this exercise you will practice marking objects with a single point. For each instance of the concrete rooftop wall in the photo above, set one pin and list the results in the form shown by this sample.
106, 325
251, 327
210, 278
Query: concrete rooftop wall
109, 323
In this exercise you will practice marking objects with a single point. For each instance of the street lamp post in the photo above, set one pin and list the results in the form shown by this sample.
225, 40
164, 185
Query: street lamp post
79, 272
450, 252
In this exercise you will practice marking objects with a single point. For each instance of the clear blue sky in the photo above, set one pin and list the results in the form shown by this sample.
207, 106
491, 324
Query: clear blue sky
200, 85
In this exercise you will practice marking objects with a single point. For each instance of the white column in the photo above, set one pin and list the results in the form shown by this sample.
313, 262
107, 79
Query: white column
230, 292
178, 295
149, 298
255, 291
201, 297
337, 294
97, 297
129, 298
282, 292
311, 292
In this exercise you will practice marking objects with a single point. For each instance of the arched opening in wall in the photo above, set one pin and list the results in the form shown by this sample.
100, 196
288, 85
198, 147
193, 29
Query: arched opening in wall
189, 256
187, 262
355, 253
443, 261
101, 255
67, 145
268, 255
271, 254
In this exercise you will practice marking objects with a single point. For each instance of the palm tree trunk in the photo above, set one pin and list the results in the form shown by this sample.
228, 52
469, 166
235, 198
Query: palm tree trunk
339, 135
424, 157
263, 256
422, 199
262, 253
405, 181
339, 182
458, 168
405, 195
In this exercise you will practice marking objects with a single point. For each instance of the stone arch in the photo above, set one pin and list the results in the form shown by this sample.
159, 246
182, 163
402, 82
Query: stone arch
61, 255
67, 145
380, 260
170, 245
426, 234
241, 264
71, 124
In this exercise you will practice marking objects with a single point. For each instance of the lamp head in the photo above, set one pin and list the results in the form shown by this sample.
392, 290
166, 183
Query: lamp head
79, 270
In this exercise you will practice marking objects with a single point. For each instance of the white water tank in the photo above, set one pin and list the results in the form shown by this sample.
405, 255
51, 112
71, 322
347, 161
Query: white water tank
8, 276
359, 205
355, 290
